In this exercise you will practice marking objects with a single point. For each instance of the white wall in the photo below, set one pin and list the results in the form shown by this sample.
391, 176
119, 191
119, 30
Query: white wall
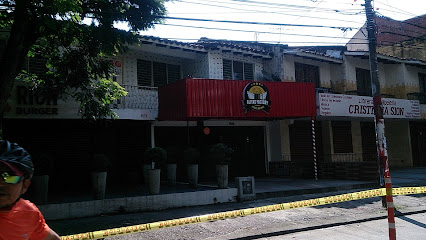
324, 69
351, 63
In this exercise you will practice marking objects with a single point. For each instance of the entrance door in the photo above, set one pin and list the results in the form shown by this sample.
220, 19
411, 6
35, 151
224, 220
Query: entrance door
418, 143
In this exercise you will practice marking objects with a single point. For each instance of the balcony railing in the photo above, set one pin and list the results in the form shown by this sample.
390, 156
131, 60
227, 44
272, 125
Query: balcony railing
138, 97
417, 96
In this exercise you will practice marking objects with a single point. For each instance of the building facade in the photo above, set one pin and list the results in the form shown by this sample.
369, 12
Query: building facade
267, 102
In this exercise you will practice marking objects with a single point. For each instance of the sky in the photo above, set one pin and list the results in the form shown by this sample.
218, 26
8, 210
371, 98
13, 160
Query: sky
335, 21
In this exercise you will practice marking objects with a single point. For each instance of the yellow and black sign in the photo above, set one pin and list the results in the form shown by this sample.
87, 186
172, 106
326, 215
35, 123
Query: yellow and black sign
256, 97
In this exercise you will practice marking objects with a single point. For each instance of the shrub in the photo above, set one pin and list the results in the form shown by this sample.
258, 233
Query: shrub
157, 155
192, 155
221, 154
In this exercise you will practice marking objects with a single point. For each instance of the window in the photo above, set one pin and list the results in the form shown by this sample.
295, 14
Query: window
363, 82
156, 74
342, 136
422, 86
307, 73
237, 70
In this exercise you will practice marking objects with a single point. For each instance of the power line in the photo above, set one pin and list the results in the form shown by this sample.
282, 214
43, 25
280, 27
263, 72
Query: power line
254, 31
394, 8
257, 23
273, 12
274, 6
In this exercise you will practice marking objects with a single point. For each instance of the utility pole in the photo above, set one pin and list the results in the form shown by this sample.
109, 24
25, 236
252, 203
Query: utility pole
383, 165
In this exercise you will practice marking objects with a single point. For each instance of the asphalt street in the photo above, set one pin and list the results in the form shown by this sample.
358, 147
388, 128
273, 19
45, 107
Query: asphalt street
361, 219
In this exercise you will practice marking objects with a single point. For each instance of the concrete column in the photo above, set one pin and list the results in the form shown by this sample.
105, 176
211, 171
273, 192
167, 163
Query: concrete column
356, 139
274, 141
327, 138
285, 140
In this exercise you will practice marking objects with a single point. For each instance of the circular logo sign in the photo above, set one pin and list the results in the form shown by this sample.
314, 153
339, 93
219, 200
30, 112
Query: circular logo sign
256, 97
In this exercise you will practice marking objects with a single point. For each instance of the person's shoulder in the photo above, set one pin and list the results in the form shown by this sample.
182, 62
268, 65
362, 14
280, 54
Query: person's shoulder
25, 205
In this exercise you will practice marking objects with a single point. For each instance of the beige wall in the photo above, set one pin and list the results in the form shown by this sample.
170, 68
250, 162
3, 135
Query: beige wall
398, 143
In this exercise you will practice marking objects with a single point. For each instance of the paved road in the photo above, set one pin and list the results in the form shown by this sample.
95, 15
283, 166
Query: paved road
322, 221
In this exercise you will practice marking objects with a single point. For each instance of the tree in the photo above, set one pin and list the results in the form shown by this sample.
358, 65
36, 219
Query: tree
74, 37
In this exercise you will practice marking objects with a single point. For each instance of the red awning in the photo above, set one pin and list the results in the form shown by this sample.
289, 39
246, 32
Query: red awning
194, 99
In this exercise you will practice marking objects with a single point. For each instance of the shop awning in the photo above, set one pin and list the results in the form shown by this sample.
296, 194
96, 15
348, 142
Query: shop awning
198, 99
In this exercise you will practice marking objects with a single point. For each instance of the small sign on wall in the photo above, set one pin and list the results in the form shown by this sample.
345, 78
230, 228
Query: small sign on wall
246, 188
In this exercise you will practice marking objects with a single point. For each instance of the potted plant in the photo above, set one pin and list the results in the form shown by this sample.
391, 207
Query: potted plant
221, 154
192, 157
172, 155
43, 166
157, 156
99, 170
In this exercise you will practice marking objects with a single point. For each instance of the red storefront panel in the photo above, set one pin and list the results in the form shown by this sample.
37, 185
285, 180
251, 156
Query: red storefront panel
192, 99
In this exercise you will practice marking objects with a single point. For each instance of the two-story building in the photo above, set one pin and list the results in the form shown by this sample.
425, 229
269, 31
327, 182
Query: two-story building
258, 98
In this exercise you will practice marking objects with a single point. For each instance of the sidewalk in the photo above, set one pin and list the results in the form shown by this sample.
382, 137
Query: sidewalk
126, 199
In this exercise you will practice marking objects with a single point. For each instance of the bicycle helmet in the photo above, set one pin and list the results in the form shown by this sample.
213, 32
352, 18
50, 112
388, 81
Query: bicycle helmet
15, 156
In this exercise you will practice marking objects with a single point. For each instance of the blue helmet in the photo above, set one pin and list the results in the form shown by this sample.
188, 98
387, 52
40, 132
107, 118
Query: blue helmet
13, 154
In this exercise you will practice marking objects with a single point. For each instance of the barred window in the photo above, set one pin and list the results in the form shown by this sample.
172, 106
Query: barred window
307, 73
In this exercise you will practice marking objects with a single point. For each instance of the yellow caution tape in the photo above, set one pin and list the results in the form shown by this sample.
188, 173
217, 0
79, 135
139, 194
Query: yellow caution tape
243, 212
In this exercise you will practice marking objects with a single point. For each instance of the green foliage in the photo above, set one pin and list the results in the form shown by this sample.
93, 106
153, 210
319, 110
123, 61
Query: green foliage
221, 154
157, 155
191, 155
75, 51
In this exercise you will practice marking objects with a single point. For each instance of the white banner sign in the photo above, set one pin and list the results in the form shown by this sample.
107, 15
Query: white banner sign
359, 106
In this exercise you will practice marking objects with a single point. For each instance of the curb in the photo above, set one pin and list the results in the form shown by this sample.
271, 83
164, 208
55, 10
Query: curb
288, 193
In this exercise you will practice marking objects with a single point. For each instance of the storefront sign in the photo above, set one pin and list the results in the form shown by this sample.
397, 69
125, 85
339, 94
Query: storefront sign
359, 106
256, 97
27, 103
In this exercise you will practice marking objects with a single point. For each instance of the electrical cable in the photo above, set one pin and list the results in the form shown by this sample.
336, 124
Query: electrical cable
254, 31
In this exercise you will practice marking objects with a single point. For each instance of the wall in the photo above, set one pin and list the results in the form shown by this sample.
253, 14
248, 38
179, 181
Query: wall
130, 64
359, 37
351, 63
258, 63
197, 68
399, 143
289, 71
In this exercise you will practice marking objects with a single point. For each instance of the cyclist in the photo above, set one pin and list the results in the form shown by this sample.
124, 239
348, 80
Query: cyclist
19, 218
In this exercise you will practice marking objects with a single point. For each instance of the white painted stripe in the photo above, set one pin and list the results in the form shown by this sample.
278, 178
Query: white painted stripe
390, 204
388, 180
392, 225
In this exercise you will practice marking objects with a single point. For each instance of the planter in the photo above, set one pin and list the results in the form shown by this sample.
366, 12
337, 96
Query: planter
222, 176
171, 173
98, 180
145, 169
40, 185
154, 181
193, 175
